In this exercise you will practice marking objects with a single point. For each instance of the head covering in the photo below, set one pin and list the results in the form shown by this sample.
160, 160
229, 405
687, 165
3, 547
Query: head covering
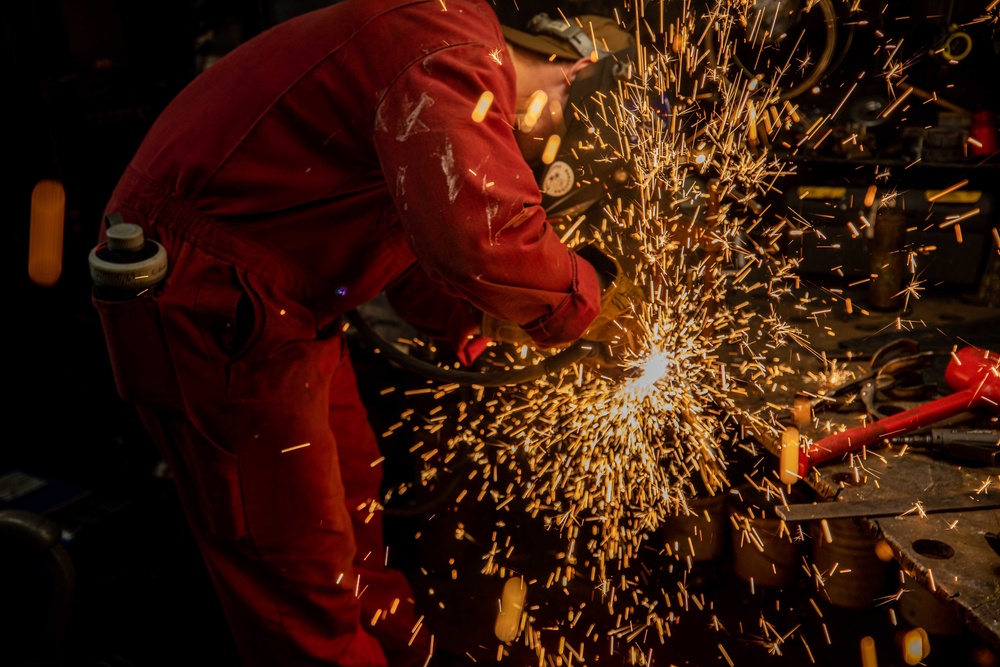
573, 38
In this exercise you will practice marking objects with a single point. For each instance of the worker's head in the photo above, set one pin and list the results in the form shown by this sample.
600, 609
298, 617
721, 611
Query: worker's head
547, 56
570, 39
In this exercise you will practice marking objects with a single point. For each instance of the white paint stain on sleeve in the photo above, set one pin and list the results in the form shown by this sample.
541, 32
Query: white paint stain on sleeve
410, 123
491, 211
450, 173
380, 124
401, 185
492, 208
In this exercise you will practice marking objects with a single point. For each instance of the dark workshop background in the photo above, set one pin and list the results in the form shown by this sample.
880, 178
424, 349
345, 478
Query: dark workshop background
83, 81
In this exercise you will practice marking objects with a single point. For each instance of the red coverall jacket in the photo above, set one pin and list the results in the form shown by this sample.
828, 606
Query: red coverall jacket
321, 163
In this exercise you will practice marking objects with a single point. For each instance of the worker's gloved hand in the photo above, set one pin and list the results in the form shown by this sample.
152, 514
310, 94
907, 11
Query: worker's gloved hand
504, 331
465, 333
616, 328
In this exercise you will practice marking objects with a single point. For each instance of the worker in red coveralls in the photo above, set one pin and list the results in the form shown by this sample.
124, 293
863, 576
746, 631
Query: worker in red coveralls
324, 162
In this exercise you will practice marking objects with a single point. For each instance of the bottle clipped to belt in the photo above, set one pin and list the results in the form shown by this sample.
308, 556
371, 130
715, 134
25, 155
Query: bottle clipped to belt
126, 265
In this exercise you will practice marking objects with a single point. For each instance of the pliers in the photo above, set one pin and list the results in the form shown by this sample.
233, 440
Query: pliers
895, 372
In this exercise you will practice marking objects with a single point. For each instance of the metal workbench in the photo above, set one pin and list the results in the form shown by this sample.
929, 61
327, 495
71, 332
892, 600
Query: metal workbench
946, 554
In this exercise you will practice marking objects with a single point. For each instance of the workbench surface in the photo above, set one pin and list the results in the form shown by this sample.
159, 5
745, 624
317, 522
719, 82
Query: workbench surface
946, 552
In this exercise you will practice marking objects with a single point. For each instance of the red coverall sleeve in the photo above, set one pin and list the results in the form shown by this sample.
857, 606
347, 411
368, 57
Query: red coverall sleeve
423, 303
469, 203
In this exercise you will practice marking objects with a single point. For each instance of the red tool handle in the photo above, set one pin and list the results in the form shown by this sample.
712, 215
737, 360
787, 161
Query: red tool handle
855, 438
975, 369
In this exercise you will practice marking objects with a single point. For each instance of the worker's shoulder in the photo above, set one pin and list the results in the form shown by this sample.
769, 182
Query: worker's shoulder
435, 24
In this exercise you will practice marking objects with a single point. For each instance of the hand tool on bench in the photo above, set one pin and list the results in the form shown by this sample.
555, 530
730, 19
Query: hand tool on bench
877, 507
974, 375
894, 369
972, 446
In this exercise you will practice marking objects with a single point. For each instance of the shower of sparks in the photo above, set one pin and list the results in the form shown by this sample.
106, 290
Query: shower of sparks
604, 458
985, 485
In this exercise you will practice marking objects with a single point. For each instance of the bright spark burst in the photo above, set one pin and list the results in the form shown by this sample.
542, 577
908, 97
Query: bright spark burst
605, 460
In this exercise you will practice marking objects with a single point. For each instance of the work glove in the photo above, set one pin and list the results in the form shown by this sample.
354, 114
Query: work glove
464, 333
617, 327
504, 331
614, 329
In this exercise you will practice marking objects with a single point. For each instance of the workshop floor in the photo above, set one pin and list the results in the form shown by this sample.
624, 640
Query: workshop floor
143, 598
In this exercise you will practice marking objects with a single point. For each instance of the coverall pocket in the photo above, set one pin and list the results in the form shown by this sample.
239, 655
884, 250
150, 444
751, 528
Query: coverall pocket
228, 312
140, 358
208, 476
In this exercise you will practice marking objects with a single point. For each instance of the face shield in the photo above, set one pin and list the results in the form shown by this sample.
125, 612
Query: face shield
589, 162
592, 160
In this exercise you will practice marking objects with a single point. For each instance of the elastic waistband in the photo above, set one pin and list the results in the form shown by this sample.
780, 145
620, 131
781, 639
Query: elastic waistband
162, 208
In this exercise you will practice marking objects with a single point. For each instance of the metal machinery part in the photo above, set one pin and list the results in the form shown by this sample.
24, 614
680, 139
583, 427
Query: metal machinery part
956, 44
883, 507
780, 35
38, 536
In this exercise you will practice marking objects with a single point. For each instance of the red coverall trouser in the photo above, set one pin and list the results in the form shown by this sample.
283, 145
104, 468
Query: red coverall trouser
268, 441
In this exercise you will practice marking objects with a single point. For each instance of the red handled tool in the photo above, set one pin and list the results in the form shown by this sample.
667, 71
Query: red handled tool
974, 374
